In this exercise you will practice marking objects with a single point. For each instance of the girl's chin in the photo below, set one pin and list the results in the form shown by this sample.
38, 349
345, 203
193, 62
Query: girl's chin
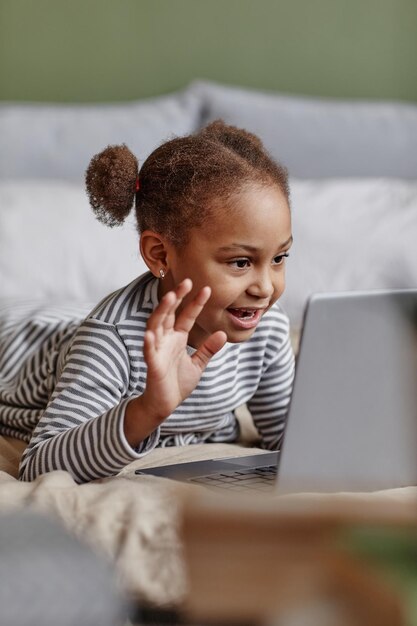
238, 337
232, 337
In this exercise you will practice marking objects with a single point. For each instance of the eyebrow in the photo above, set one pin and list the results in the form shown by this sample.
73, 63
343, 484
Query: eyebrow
243, 246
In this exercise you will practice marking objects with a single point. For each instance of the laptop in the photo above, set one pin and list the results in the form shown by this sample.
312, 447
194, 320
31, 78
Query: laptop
352, 420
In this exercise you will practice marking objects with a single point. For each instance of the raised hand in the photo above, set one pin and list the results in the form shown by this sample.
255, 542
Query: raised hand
172, 373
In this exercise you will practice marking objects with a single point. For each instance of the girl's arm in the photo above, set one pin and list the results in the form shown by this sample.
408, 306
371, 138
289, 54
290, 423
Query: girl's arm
269, 405
81, 430
172, 374
92, 427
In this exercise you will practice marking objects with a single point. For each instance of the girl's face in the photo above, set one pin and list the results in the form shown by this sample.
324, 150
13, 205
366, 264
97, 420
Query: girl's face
240, 253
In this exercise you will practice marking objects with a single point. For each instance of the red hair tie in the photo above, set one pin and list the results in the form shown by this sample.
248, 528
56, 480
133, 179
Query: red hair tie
137, 186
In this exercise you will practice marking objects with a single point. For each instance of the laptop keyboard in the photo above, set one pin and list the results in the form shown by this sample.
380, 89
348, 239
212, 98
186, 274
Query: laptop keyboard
259, 479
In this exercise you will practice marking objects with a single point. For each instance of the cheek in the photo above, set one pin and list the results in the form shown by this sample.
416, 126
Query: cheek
222, 296
280, 285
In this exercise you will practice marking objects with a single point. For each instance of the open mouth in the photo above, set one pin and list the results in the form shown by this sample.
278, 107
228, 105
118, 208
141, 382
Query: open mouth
243, 313
245, 318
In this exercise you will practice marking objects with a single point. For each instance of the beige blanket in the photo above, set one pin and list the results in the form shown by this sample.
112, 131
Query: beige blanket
135, 520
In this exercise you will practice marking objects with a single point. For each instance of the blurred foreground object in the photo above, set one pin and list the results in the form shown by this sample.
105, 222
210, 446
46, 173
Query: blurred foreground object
294, 562
49, 578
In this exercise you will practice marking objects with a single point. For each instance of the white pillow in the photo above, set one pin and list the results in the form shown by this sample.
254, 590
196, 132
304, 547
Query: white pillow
350, 235
52, 246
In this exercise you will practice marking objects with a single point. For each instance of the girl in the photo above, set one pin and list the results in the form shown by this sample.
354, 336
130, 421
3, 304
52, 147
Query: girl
167, 359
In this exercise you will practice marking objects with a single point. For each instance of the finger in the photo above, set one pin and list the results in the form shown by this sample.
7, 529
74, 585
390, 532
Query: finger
156, 319
167, 307
186, 319
209, 348
148, 346
180, 292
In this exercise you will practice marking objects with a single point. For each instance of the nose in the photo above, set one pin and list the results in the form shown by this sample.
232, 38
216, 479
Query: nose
264, 283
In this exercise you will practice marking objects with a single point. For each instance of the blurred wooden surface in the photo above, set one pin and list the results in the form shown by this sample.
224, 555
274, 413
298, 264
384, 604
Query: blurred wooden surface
266, 560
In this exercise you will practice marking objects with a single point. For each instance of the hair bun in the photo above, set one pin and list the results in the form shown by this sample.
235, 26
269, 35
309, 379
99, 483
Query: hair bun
111, 184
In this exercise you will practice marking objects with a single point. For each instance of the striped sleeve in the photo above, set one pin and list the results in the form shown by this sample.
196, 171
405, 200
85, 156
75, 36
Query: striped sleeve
81, 430
269, 405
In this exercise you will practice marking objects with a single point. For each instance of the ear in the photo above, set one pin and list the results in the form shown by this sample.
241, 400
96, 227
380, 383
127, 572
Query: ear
154, 250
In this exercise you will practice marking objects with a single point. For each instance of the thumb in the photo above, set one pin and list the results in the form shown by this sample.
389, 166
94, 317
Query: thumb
209, 348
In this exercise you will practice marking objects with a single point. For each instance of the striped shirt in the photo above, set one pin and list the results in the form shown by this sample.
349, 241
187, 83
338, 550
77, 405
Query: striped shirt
66, 379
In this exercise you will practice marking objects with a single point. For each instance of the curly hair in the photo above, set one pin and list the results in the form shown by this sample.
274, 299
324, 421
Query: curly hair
182, 181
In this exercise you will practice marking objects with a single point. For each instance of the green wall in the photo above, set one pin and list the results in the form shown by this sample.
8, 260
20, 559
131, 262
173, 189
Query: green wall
106, 50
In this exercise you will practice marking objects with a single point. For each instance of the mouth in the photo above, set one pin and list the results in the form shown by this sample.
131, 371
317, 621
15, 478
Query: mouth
245, 318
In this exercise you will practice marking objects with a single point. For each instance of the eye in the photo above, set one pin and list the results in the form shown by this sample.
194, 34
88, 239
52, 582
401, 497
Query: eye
240, 264
279, 259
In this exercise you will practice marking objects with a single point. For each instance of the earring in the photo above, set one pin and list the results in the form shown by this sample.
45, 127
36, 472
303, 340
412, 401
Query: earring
162, 273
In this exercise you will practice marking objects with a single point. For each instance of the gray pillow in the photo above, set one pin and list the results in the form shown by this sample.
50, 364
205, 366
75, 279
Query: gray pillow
321, 138
58, 141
